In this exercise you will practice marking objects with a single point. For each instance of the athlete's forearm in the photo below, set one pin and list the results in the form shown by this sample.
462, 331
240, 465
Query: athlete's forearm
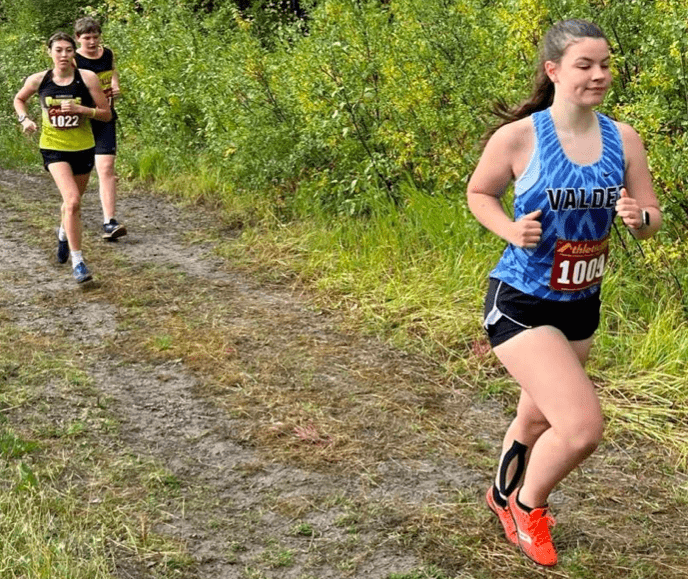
20, 106
647, 231
97, 113
489, 212
115, 83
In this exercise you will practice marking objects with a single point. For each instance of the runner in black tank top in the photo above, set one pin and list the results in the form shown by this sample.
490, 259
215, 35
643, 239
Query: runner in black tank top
70, 100
91, 55
62, 131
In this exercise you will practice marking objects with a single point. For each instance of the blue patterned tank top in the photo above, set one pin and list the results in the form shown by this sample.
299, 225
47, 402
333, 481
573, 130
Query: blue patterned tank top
578, 208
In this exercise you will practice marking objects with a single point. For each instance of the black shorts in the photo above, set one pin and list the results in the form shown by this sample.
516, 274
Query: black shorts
509, 311
105, 136
81, 162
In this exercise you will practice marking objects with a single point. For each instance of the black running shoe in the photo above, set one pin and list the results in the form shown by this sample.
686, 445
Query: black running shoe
113, 230
62, 249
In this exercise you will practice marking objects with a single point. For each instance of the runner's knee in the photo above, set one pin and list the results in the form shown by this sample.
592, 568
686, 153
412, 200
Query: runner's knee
532, 424
72, 205
584, 436
106, 170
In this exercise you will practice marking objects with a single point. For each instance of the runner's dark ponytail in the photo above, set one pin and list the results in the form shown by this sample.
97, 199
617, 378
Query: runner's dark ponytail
554, 45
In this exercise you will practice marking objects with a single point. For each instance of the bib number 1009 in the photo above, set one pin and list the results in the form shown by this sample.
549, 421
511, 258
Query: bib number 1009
583, 271
578, 264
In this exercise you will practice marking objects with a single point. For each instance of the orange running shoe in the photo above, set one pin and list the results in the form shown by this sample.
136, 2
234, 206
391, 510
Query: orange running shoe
533, 532
504, 516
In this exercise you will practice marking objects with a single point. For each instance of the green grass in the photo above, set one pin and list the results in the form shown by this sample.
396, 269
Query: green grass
337, 428
70, 503
416, 276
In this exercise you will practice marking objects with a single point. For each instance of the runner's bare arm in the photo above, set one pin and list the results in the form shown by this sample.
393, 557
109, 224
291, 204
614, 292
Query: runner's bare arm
640, 194
20, 99
115, 80
502, 157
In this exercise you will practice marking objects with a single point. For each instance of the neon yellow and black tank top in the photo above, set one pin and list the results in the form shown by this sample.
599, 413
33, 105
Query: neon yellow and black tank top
62, 131
104, 67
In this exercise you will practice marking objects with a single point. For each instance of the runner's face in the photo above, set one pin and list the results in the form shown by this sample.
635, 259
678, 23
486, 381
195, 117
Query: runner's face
582, 76
62, 53
90, 42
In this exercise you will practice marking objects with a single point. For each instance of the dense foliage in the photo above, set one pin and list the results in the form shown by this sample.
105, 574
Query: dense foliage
340, 101
341, 104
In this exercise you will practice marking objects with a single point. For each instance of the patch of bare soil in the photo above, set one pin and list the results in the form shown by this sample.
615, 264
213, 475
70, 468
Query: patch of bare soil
241, 510
253, 499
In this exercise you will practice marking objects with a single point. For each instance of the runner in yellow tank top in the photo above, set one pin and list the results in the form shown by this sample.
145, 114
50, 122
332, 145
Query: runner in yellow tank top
69, 100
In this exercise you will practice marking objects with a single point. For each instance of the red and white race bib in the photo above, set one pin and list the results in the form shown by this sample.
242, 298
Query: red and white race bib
578, 264
61, 120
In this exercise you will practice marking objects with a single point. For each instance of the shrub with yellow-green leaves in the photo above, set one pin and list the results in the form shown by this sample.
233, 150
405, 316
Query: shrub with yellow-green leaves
343, 107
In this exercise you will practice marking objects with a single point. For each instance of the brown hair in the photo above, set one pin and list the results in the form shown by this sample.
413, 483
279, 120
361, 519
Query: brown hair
558, 38
87, 25
59, 35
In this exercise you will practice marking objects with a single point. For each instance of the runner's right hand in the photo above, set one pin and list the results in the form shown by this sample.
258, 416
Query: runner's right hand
526, 232
28, 126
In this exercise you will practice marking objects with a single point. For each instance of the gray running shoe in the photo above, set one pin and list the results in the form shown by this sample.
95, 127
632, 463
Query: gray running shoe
81, 273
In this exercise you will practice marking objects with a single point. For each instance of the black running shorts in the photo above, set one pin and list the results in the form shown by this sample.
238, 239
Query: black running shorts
509, 312
105, 136
81, 162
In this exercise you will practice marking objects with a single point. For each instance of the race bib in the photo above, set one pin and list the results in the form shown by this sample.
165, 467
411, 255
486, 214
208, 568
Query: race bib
578, 264
61, 120
108, 94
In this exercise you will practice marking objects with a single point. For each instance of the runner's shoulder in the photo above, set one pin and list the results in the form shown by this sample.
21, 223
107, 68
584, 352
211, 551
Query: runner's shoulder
34, 80
514, 137
88, 76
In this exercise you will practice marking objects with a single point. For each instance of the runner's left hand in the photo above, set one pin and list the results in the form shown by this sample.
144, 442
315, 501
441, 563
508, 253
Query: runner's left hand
70, 107
629, 210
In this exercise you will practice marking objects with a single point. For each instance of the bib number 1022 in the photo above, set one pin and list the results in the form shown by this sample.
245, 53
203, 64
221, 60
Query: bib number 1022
64, 121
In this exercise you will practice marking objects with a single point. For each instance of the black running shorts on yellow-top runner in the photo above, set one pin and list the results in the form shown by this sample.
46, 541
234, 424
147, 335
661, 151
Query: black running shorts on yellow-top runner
509, 312
81, 162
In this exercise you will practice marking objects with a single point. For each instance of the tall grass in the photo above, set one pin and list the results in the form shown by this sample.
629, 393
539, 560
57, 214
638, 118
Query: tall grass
417, 274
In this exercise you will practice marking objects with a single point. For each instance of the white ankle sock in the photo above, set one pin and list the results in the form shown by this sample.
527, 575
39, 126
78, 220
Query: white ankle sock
77, 258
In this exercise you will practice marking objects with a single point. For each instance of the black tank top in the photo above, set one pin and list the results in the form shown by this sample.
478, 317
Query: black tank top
97, 65
104, 68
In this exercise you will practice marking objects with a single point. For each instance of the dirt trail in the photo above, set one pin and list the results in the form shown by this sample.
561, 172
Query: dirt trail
199, 443
238, 510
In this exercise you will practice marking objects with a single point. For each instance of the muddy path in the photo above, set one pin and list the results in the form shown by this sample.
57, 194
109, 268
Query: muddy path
241, 507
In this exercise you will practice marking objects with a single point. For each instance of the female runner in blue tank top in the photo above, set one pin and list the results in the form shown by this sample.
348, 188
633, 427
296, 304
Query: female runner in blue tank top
574, 170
